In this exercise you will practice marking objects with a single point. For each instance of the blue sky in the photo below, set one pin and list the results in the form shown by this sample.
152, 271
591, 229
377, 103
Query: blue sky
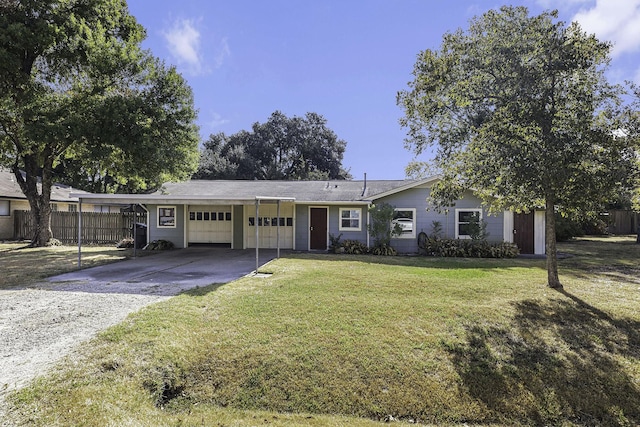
343, 59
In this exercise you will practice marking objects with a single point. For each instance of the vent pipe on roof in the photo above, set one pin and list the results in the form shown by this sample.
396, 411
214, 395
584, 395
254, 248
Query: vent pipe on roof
364, 188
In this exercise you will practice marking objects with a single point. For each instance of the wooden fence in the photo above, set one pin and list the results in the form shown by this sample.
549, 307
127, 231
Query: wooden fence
97, 227
623, 222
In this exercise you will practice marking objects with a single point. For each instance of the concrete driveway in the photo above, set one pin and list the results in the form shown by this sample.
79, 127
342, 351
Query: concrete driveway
166, 273
45, 321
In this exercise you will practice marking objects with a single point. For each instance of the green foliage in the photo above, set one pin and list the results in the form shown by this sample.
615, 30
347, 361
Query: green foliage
78, 95
519, 110
436, 230
477, 228
383, 250
381, 227
146, 135
570, 226
470, 248
335, 245
354, 247
159, 245
283, 148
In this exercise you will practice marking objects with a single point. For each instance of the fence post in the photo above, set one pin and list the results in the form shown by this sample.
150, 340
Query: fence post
79, 232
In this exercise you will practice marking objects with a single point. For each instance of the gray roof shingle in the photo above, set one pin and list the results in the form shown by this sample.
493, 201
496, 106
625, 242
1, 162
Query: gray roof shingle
302, 191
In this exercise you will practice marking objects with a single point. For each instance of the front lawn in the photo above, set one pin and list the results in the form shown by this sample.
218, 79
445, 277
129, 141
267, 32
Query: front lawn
340, 340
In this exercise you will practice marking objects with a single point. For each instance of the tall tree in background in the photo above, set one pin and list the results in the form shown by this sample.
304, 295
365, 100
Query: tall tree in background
520, 111
283, 148
76, 87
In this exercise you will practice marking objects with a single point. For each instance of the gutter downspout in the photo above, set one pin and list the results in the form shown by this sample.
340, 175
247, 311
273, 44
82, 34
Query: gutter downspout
257, 234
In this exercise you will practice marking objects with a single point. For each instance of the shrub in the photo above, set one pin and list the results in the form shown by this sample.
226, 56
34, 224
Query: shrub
354, 247
567, 228
470, 248
159, 245
384, 250
335, 245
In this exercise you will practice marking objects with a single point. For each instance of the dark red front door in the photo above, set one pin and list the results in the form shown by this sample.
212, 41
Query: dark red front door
318, 229
523, 232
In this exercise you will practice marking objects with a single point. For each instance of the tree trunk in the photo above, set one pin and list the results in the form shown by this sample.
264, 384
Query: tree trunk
39, 202
550, 245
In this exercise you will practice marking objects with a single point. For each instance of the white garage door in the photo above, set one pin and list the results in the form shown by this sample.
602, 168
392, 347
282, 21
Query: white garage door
210, 224
268, 226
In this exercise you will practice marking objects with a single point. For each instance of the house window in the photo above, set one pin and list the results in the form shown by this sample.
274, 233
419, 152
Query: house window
405, 219
54, 207
5, 208
73, 208
350, 219
464, 217
166, 216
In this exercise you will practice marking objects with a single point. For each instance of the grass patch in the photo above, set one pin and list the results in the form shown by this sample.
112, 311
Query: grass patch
22, 265
350, 340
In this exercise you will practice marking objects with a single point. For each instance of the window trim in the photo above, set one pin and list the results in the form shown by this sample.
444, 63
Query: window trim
411, 235
175, 211
359, 218
458, 223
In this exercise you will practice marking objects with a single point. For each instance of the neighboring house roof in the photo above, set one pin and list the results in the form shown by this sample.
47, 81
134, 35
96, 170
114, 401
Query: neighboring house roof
335, 191
9, 189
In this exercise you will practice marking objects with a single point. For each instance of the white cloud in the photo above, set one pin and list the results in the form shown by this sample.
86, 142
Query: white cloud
183, 41
216, 120
617, 21
223, 52
563, 4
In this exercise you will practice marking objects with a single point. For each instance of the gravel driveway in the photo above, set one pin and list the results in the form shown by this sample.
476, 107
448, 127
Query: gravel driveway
41, 324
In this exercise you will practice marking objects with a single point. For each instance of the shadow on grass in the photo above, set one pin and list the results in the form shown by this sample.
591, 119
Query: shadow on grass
563, 360
424, 261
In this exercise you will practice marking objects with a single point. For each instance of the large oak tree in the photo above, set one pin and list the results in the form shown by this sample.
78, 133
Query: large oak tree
282, 148
76, 87
519, 110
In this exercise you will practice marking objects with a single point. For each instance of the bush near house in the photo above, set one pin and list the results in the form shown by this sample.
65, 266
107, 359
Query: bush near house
469, 248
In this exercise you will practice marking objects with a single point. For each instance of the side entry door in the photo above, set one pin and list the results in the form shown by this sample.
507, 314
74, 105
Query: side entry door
318, 236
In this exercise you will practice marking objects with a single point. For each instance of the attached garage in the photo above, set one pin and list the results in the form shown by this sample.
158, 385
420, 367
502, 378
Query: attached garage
209, 224
268, 224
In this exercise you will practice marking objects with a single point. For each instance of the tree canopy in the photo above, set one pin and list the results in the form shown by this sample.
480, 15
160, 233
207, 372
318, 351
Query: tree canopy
78, 93
282, 148
519, 110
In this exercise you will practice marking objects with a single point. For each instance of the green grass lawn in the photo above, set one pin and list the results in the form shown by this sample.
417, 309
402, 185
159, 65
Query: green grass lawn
339, 340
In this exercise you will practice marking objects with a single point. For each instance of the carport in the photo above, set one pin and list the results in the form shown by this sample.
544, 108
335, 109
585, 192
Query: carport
143, 201
267, 199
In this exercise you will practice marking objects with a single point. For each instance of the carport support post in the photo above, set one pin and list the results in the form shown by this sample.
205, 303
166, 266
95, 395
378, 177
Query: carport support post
257, 232
278, 231
79, 232
134, 208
